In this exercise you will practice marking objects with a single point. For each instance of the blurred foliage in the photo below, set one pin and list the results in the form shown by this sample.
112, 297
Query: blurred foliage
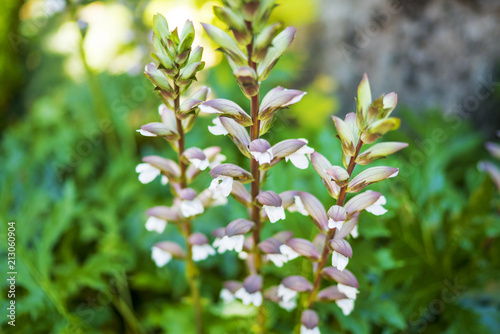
83, 255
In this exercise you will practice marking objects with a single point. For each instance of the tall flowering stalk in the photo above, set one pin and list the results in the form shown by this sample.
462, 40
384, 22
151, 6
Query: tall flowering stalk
371, 121
252, 53
176, 69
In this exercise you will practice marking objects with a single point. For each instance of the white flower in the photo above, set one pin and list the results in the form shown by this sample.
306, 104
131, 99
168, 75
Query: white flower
340, 261
347, 305
191, 208
376, 208
242, 255
347, 290
288, 252
286, 294
299, 157
274, 213
230, 243
221, 186
216, 242
218, 129
249, 298
263, 157
277, 259
164, 180
156, 224
219, 158
226, 296
354, 232
305, 330
201, 252
335, 224
200, 164
218, 200
288, 305
160, 256
147, 172
298, 206
146, 133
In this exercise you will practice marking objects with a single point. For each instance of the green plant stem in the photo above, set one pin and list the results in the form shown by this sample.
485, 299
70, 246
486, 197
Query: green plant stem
191, 270
255, 186
331, 232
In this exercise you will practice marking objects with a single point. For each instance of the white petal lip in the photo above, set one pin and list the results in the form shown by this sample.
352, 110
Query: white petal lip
164, 180
300, 157
161, 109
346, 305
230, 243
218, 200
191, 208
156, 224
354, 232
249, 298
277, 259
335, 224
298, 206
286, 294
263, 157
147, 173
201, 252
221, 186
226, 296
305, 330
340, 261
160, 257
217, 129
349, 291
274, 213
289, 252
288, 305
146, 133
200, 164
376, 208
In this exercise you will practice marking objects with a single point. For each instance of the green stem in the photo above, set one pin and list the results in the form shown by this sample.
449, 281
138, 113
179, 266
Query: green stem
255, 186
191, 270
331, 232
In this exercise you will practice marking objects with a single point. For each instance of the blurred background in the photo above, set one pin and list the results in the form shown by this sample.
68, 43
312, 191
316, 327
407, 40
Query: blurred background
73, 93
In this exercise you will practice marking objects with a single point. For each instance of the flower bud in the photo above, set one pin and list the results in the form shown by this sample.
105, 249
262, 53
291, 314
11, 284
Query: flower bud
304, 247
309, 319
344, 277
197, 239
227, 108
172, 248
239, 226
297, 283
247, 80
369, 176
339, 175
279, 45
330, 293
232, 171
